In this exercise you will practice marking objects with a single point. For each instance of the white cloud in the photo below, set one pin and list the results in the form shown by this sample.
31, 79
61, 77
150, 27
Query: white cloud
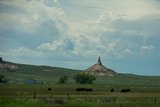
63, 44
127, 51
33, 14
133, 9
147, 48
103, 37
54, 46
57, 1
110, 34
21, 51
96, 38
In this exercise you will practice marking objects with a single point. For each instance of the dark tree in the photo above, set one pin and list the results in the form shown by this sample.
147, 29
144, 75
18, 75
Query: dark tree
1, 78
63, 79
84, 78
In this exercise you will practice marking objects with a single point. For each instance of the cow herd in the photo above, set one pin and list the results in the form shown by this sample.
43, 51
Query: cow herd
84, 89
90, 90
122, 90
125, 90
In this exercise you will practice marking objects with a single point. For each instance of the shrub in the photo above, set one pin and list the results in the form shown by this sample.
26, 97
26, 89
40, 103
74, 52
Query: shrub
84, 78
2, 78
63, 79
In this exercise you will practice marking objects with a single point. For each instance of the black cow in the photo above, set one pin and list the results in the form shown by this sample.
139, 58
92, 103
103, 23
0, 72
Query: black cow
49, 89
125, 90
89, 90
81, 89
112, 90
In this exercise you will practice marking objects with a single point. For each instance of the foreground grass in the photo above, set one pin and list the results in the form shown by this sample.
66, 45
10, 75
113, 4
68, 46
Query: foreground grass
22, 95
25, 103
40, 103
100, 104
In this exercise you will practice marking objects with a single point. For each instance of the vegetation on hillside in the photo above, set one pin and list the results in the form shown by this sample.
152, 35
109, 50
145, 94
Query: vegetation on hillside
63, 79
1, 78
84, 78
46, 74
42, 74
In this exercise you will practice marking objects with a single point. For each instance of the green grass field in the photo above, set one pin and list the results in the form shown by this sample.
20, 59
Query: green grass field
17, 95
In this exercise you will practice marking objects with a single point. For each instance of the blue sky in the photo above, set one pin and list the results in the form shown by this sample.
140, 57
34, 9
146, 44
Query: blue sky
73, 33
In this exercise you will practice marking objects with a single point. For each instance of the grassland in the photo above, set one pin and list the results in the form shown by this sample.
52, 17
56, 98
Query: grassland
22, 95
145, 90
38, 73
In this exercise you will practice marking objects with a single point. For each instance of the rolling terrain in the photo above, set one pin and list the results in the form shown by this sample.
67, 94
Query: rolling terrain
145, 90
38, 73
49, 74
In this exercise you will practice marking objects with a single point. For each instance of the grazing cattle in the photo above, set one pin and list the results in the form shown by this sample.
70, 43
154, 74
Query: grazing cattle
81, 89
112, 90
125, 90
84, 89
49, 89
89, 90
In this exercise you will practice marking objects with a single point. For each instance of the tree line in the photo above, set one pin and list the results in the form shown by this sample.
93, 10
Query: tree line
79, 78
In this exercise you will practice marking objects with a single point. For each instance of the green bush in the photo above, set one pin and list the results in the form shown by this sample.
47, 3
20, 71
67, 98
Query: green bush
63, 79
1, 78
84, 78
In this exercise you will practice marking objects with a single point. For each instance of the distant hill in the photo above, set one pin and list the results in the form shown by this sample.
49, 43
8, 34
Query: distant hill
23, 73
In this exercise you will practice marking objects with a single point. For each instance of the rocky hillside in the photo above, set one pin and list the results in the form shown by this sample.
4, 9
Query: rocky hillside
100, 70
20, 73
8, 67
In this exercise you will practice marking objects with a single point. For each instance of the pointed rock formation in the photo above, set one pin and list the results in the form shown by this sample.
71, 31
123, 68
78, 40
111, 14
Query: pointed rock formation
1, 61
99, 61
100, 70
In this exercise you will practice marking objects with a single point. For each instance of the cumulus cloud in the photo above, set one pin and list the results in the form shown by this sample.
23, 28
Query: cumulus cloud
21, 51
110, 34
61, 45
147, 48
128, 51
102, 36
32, 15
97, 37
57, 1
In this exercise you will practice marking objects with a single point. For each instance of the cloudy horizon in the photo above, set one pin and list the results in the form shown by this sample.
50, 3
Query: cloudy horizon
73, 34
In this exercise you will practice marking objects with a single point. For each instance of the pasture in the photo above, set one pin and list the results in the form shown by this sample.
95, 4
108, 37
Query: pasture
65, 95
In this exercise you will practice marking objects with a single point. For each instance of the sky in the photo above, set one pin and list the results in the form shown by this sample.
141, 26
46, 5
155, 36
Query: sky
74, 33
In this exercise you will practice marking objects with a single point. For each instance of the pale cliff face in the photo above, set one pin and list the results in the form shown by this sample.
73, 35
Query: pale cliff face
100, 70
